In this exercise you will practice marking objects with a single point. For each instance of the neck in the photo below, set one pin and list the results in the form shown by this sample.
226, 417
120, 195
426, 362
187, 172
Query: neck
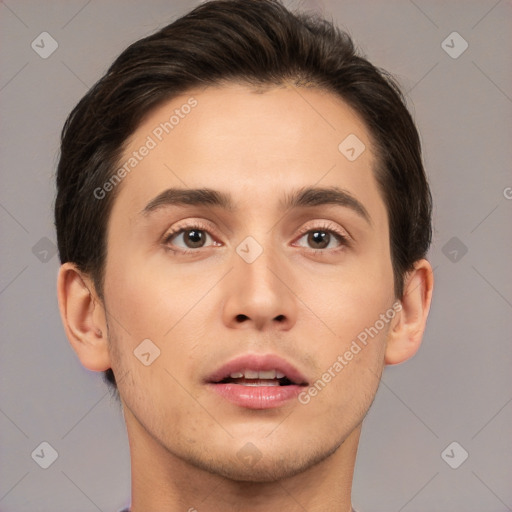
162, 481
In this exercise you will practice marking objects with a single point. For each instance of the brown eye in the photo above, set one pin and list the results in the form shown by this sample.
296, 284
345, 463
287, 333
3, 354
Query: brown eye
192, 237
319, 239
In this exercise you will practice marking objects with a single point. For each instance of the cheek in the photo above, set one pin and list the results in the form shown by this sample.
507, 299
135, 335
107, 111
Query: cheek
155, 308
356, 312
148, 295
350, 301
344, 390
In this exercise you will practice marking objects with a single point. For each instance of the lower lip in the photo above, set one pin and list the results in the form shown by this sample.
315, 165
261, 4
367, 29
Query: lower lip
257, 397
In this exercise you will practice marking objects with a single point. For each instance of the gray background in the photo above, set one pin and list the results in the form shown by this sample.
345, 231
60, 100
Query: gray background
457, 388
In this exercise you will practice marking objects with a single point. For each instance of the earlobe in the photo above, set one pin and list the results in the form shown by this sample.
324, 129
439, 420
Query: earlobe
404, 338
83, 317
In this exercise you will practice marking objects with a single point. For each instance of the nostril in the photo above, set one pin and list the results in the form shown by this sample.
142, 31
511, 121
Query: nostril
280, 318
241, 318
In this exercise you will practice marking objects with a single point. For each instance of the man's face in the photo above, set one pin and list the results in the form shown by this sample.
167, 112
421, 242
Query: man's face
293, 294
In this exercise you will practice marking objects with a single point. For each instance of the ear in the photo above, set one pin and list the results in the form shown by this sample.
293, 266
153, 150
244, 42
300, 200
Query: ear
83, 317
404, 338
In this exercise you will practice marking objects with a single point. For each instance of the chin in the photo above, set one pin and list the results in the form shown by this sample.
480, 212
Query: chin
265, 466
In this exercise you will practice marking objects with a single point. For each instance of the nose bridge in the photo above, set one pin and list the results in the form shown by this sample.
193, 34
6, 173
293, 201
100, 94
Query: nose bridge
258, 265
257, 290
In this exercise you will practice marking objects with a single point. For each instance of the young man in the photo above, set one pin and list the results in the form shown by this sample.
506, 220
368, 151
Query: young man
243, 218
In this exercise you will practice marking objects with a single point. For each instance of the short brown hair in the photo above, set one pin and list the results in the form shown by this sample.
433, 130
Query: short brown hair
257, 42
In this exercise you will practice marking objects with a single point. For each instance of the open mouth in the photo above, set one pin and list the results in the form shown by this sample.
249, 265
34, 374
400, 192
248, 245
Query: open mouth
255, 378
256, 381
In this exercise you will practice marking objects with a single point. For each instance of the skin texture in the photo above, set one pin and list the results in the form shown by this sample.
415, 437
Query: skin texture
207, 306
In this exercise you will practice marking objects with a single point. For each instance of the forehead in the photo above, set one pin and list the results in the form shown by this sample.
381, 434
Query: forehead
257, 144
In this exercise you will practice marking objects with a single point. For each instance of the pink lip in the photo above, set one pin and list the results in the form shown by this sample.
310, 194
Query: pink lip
261, 397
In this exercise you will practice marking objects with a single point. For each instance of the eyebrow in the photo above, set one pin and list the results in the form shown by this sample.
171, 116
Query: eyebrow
301, 198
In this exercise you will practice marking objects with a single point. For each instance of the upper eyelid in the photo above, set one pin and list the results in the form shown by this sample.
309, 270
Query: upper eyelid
327, 226
320, 224
186, 225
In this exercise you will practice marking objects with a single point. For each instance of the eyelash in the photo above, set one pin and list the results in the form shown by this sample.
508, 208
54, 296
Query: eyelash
342, 238
327, 228
181, 229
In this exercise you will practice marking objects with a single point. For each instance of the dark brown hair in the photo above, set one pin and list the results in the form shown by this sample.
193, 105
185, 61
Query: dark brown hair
256, 42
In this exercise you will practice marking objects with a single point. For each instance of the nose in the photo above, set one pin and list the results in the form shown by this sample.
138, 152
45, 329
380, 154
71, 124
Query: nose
259, 294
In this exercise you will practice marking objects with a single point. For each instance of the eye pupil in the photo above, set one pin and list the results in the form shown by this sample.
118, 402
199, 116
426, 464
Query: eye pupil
320, 237
195, 237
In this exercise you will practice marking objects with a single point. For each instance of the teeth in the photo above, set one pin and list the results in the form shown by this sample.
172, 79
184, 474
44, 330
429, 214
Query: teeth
252, 374
261, 383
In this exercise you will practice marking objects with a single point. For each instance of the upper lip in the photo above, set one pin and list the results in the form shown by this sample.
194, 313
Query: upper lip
258, 362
